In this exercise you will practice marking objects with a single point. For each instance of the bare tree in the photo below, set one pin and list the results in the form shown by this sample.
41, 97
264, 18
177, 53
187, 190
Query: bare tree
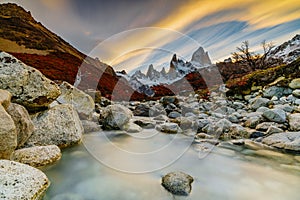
254, 60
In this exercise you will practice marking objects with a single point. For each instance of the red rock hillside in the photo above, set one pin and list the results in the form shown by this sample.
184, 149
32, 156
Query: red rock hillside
32, 43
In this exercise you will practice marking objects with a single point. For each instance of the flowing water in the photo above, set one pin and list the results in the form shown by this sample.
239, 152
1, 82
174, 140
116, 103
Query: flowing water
112, 166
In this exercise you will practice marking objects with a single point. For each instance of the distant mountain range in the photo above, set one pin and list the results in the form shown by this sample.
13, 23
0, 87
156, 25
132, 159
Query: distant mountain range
148, 82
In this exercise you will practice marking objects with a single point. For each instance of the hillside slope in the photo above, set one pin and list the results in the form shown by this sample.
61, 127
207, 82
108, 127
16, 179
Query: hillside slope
35, 45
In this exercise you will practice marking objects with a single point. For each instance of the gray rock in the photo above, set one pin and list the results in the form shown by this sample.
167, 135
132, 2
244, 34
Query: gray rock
296, 93
161, 118
20, 181
178, 183
38, 156
132, 128
224, 110
223, 125
297, 102
168, 100
90, 126
115, 117
5, 98
253, 121
262, 109
259, 102
273, 129
188, 123
285, 107
171, 128
174, 115
275, 115
156, 110
264, 126
141, 110
82, 102
295, 83
233, 118
276, 91
294, 121
236, 131
145, 123
286, 140
22, 120
28, 86
59, 125
8, 134
238, 105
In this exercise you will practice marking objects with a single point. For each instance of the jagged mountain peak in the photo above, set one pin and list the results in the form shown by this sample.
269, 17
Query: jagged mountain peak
200, 57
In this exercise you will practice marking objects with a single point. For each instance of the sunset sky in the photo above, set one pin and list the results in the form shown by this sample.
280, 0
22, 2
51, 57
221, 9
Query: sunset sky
114, 30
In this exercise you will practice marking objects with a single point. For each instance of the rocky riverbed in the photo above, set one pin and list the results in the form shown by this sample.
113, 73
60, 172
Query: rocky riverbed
184, 137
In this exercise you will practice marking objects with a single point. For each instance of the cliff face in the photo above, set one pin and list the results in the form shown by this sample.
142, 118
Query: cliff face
31, 42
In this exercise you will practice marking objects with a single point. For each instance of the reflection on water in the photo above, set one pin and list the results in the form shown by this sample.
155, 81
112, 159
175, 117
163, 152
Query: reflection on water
222, 174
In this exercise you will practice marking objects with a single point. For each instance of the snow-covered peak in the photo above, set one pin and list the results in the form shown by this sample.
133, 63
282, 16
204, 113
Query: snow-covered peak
200, 57
288, 51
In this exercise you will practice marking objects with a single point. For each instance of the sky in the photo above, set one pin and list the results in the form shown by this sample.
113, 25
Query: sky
131, 34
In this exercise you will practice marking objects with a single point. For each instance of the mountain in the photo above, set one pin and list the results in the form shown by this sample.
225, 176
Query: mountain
201, 58
178, 69
31, 42
288, 51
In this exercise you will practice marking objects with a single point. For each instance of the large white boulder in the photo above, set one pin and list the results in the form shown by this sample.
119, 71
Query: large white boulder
20, 181
82, 102
8, 134
37, 156
59, 125
28, 86
115, 117
23, 123
286, 140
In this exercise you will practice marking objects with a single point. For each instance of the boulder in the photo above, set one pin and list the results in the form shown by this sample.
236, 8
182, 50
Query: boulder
141, 110
275, 115
253, 119
168, 100
23, 123
20, 181
224, 110
276, 91
5, 98
28, 86
295, 83
145, 123
222, 126
296, 93
286, 140
59, 125
174, 115
90, 126
294, 121
115, 117
178, 183
38, 156
259, 102
236, 131
8, 134
82, 102
132, 128
171, 128
273, 129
